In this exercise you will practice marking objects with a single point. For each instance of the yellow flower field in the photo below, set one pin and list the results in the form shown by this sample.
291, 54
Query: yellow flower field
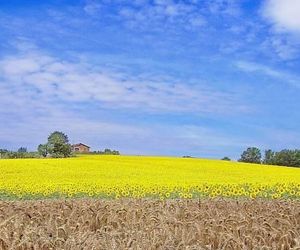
140, 176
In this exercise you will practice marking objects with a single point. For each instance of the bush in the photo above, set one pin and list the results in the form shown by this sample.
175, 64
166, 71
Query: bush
107, 151
226, 159
5, 154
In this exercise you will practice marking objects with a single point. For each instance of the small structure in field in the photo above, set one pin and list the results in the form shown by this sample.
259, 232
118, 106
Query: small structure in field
80, 148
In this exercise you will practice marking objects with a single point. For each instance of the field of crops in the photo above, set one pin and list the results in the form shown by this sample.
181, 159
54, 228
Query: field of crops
139, 176
150, 224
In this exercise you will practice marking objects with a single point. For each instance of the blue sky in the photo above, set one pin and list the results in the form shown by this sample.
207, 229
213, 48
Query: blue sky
161, 77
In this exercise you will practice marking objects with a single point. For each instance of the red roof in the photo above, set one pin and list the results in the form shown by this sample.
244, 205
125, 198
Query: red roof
80, 144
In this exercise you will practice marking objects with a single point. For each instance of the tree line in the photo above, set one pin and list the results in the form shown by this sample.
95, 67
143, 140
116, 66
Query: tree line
20, 153
106, 151
57, 146
285, 157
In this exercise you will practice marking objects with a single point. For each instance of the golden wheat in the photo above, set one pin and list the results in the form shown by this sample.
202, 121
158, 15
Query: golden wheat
150, 224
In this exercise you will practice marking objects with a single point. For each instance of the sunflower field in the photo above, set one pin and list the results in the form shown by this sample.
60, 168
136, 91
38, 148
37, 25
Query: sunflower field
144, 177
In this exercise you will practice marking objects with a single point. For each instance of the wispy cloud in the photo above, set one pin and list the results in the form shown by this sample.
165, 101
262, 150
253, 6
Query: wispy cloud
161, 15
170, 13
225, 7
285, 77
40, 93
285, 47
92, 7
50, 77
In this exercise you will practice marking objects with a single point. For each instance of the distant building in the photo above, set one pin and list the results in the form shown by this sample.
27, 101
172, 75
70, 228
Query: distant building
80, 148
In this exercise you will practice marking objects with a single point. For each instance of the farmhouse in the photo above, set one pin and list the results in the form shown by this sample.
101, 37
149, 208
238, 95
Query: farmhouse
80, 148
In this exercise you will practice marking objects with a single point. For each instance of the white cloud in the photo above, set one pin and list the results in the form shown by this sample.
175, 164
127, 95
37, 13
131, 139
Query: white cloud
41, 93
291, 79
284, 14
284, 48
170, 13
92, 7
225, 7
197, 21
28, 120
19, 66
81, 82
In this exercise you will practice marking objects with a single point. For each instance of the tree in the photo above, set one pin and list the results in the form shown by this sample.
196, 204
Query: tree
251, 155
287, 157
57, 146
61, 150
269, 157
22, 150
58, 137
3, 153
226, 159
43, 150
108, 151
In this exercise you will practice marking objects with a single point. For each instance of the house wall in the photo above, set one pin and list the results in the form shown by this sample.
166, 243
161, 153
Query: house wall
81, 149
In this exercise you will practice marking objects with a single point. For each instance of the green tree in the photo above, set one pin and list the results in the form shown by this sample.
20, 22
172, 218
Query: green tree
108, 151
61, 150
269, 157
22, 150
43, 150
57, 146
21, 153
58, 137
3, 153
287, 157
115, 152
251, 155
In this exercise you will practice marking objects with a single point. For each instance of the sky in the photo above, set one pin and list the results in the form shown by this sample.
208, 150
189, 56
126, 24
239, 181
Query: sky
160, 77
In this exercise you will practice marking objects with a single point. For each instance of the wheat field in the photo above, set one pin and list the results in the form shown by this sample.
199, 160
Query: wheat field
150, 224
